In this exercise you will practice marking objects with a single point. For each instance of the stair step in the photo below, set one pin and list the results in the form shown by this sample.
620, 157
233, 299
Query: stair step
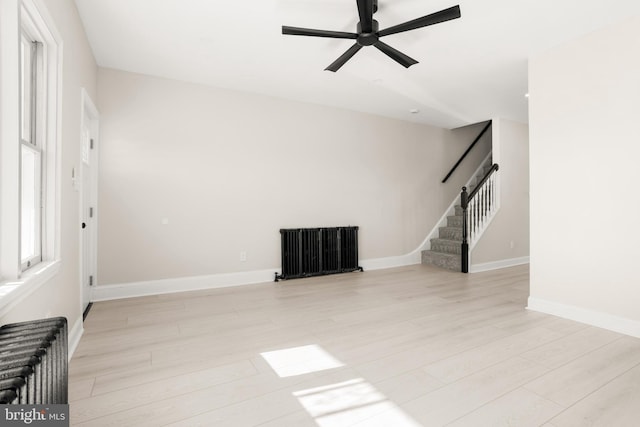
454, 221
446, 246
458, 210
448, 261
450, 233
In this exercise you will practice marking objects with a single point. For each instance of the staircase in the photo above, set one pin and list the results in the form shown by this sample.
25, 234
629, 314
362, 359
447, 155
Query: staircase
446, 250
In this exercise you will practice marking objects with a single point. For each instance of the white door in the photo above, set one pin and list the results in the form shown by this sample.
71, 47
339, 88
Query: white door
88, 205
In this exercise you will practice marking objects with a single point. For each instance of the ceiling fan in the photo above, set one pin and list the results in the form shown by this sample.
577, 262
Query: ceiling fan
367, 33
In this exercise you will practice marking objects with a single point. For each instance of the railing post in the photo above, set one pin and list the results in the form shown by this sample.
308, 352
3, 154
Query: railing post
464, 257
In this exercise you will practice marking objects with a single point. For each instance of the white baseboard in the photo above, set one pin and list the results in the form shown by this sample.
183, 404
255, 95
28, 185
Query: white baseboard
75, 333
196, 283
225, 280
496, 265
583, 315
181, 284
392, 261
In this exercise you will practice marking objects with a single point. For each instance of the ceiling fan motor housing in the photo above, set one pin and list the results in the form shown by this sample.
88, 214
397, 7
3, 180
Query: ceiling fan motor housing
368, 39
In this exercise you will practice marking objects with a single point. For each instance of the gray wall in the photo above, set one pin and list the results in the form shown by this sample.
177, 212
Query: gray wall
584, 110
226, 170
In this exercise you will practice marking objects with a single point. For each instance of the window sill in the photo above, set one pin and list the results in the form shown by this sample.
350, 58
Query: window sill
12, 292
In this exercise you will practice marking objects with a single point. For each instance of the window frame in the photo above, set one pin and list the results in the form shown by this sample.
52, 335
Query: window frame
18, 17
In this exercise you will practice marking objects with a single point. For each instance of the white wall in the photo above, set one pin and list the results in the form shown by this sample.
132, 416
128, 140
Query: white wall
61, 296
506, 240
228, 169
584, 107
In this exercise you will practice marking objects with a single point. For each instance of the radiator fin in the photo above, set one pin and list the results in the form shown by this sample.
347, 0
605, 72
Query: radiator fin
33, 362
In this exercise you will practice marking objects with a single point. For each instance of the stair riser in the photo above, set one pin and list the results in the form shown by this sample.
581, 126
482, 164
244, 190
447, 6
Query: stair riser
450, 233
454, 221
447, 248
448, 262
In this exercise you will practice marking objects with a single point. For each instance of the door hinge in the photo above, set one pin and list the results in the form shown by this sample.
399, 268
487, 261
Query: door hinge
90, 280
91, 143
90, 212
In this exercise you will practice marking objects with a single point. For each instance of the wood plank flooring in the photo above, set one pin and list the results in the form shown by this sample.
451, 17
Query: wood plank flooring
405, 347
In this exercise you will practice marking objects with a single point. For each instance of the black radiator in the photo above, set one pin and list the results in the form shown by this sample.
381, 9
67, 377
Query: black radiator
318, 251
33, 362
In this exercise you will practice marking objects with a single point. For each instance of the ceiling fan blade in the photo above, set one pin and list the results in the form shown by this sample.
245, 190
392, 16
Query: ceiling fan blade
396, 55
434, 18
335, 66
365, 10
297, 31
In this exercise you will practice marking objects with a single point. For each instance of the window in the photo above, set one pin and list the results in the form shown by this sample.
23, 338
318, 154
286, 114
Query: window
30, 71
31, 165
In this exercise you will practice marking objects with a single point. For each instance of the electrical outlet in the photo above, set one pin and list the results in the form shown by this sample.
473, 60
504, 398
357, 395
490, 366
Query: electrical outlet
243, 256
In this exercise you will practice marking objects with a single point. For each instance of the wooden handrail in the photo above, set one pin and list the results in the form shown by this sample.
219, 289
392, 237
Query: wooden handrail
475, 141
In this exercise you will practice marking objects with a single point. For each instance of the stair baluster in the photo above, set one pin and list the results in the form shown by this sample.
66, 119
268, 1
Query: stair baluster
477, 208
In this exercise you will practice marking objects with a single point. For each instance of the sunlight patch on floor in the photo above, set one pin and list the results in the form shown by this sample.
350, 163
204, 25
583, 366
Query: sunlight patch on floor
300, 360
351, 402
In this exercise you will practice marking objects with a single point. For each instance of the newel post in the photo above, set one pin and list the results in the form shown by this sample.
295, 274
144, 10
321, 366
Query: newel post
464, 202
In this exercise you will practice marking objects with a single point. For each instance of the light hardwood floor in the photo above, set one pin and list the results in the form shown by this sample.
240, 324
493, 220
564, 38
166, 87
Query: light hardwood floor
405, 347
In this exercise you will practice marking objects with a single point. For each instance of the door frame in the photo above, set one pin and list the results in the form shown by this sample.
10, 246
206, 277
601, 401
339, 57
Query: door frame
88, 256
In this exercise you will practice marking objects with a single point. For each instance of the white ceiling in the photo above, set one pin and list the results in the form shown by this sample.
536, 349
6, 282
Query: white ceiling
471, 69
